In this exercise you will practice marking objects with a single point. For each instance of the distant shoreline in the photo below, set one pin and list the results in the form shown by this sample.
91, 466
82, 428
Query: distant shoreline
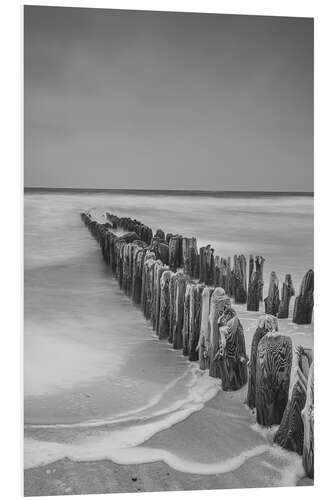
170, 192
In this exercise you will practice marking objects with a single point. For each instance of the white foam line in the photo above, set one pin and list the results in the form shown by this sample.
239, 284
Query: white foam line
117, 418
142, 455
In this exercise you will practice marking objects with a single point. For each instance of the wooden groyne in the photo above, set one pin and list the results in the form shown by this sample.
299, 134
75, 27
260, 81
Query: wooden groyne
185, 293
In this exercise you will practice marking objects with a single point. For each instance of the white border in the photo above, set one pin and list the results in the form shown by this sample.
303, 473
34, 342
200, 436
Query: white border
12, 227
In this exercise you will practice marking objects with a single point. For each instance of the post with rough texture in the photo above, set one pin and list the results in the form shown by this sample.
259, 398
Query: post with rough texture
274, 358
255, 285
179, 311
304, 302
231, 355
186, 323
175, 252
195, 317
228, 278
308, 421
206, 265
287, 292
164, 321
266, 323
290, 434
172, 305
189, 247
203, 343
219, 300
272, 301
239, 279
260, 270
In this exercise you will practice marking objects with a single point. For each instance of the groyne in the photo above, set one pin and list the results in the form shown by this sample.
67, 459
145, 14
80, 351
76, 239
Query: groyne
186, 293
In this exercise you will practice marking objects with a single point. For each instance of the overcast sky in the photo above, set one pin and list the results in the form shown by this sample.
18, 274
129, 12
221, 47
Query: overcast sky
125, 99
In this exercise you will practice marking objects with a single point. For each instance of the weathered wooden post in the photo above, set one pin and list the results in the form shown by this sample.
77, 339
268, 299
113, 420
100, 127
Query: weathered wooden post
239, 281
228, 278
139, 256
266, 323
260, 270
172, 301
206, 265
219, 300
159, 268
231, 355
290, 434
255, 286
308, 422
287, 292
304, 302
179, 311
161, 250
272, 301
175, 252
203, 342
217, 271
274, 358
186, 322
195, 320
147, 284
160, 234
164, 321
189, 248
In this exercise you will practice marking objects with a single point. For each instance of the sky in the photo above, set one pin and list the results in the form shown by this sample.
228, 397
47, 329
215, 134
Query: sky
150, 100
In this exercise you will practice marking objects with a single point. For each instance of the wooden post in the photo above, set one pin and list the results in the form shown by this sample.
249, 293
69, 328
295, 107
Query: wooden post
161, 250
218, 302
186, 323
304, 302
203, 342
139, 256
202, 265
260, 270
266, 323
160, 234
159, 268
231, 355
287, 292
272, 301
290, 434
239, 284
175, 250
189, 248
308, 422
164, 321
172, 301
255, 285
195, 317
274, 358
147, 282
206, 265
228, 280
179, 311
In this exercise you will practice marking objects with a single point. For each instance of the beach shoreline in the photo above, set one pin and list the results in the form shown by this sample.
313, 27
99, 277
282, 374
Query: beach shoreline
67, 476
218, 422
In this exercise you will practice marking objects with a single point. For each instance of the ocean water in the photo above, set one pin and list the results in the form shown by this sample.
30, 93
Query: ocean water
97, 381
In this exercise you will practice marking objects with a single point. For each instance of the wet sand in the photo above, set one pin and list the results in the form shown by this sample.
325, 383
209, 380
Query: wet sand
217, 425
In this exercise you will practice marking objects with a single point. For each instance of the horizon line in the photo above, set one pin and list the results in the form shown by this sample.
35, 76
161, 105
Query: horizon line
172, 191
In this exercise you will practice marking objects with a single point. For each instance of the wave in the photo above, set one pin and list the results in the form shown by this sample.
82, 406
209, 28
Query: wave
289, 473
201, 389
133, 414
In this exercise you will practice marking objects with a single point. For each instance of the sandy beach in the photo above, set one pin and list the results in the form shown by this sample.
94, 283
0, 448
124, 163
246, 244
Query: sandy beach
217, 424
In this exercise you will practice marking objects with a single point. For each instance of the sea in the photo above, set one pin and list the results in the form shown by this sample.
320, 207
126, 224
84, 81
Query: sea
97, 381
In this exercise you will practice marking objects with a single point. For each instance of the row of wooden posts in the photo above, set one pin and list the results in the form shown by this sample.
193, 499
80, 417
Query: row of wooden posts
185, 294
